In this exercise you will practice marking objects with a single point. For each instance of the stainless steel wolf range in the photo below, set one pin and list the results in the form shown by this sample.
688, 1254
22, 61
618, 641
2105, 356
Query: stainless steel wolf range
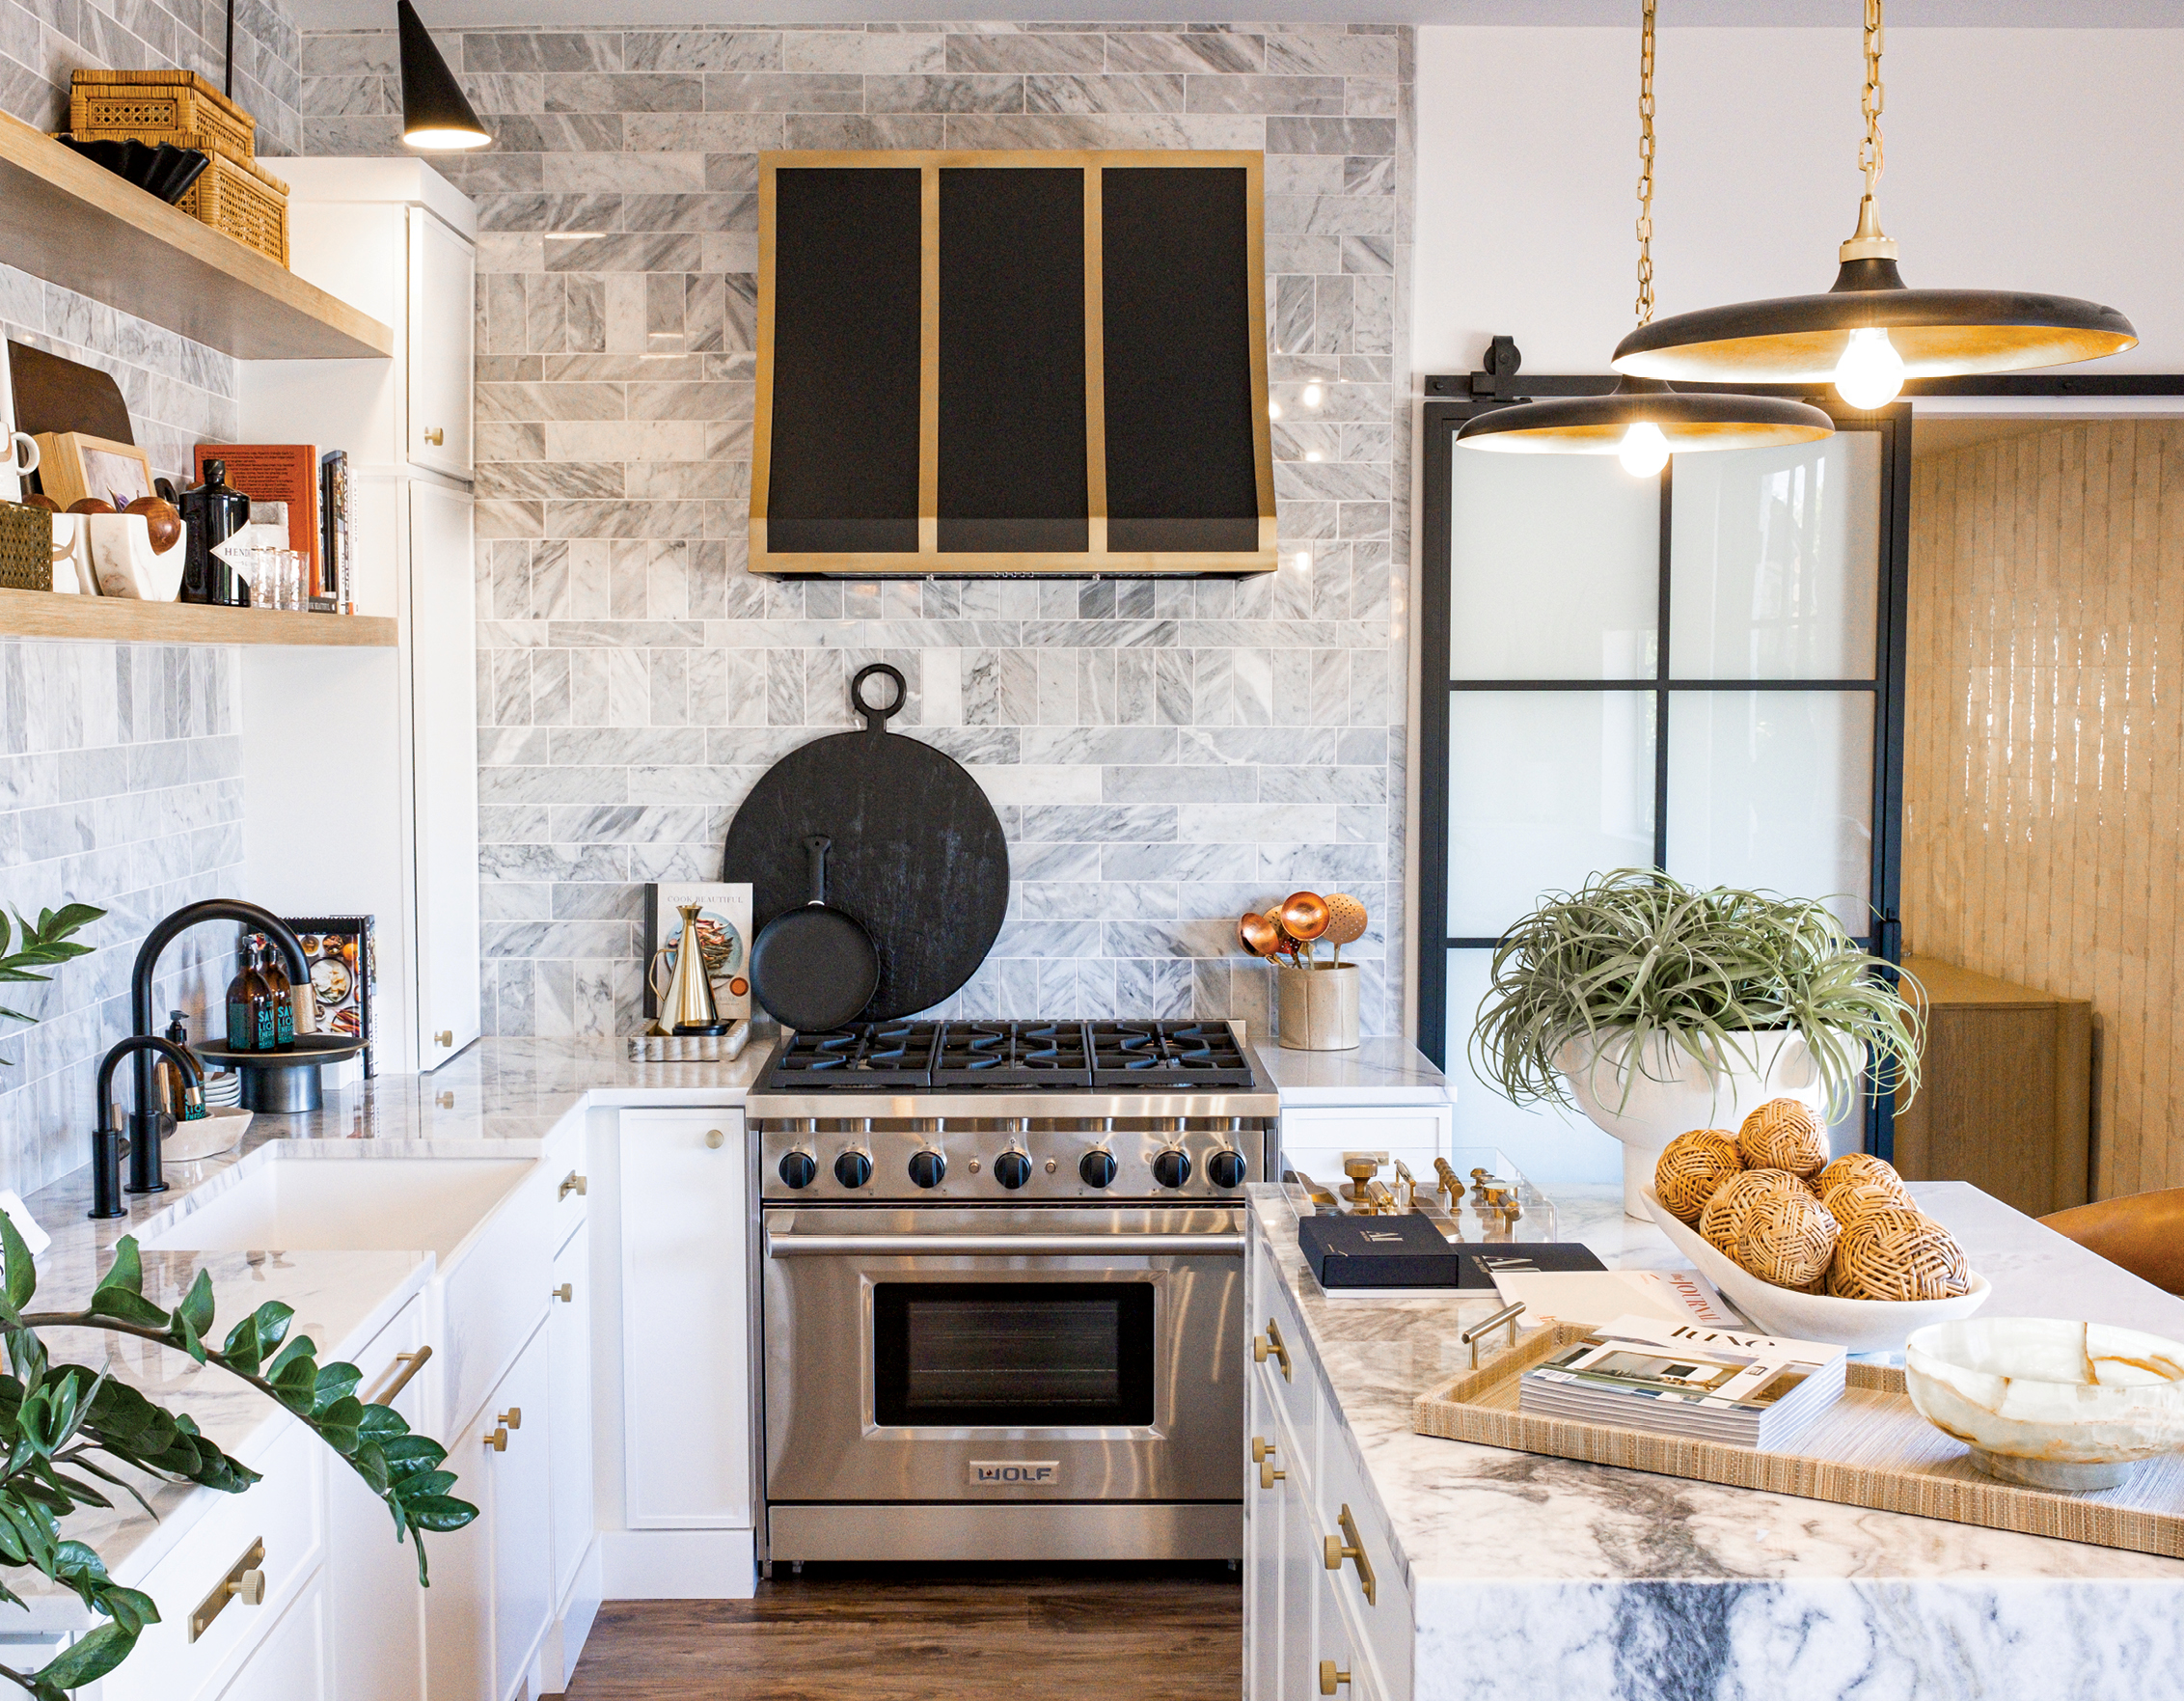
1002, 1288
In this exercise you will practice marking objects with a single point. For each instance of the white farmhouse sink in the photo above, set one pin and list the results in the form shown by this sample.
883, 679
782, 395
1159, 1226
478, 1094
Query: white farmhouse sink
342, 1205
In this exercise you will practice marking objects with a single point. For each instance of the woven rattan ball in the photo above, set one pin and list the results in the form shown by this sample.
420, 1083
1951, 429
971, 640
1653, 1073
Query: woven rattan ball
1692, 1167
1898, 1254
1783, 1135
1789, 1238
1722, 1221
1855, 1166
1849, 1200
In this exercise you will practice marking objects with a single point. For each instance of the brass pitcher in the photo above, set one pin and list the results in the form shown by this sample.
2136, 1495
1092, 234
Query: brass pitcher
688, 1006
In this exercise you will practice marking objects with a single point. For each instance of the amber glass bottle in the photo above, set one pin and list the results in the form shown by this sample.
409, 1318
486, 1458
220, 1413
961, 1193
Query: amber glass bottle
275, 973
250, 1006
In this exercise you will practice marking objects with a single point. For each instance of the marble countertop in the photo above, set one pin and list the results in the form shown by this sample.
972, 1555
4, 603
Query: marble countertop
1384, 1071
1533, 1576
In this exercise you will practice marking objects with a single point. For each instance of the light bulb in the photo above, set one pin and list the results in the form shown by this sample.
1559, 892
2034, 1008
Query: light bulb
1871, 372
1643, 451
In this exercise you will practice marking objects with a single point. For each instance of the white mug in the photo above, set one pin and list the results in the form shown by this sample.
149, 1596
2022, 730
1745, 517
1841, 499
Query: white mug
20, 457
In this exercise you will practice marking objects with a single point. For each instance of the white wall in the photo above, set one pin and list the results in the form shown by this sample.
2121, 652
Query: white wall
2042, 159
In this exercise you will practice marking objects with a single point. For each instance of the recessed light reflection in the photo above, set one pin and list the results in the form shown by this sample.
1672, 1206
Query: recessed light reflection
1311, 454
1274, 410
1313, 396
1301, 560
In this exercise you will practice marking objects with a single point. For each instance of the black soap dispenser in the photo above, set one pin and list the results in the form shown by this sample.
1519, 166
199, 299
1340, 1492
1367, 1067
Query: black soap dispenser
215, 511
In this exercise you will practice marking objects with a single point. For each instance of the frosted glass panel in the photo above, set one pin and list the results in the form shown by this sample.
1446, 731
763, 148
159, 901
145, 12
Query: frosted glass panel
1548, 1143
1774, 789
1544, 788
1556, 567
1774, 561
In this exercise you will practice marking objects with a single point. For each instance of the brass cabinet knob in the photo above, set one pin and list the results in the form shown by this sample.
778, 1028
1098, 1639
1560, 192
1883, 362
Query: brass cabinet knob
1269, 1475
445, 1101
1259, 1448
513, 1418
571, 1183
1330, 1677
715, 1139
435, 436
445, 1037
1271, 1344
497, 1439
567, 1293
249, 1588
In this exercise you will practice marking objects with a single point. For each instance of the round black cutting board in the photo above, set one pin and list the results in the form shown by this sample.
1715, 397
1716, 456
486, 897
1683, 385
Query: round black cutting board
916, 856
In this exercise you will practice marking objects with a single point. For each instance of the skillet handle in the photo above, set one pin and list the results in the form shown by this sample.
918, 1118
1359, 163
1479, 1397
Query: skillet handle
815, 847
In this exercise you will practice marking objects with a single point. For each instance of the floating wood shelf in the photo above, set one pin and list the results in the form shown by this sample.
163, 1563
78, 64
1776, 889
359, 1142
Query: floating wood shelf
77, 224
44, 613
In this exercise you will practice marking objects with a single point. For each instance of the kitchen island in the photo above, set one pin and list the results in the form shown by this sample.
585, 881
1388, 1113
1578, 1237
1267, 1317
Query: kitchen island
1507, 1574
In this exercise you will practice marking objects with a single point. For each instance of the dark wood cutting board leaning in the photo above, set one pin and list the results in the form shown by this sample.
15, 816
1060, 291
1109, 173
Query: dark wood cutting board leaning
914, 855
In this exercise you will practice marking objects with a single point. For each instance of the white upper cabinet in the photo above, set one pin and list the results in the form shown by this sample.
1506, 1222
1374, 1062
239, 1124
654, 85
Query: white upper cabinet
444, 702
441, 284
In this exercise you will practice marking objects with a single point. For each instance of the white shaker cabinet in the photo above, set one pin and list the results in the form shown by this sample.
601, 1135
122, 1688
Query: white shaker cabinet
294, 1663
378, 1609
360, 765
568, 1327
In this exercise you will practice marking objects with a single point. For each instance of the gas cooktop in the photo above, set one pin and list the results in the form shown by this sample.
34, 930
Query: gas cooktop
1042, 1055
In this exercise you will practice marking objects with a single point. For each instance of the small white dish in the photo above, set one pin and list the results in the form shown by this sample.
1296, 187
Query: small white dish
121, 552
1858, 1326
219, 1130
2049, 1403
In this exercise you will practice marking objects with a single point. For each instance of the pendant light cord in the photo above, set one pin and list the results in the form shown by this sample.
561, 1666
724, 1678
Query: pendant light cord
1646, 164
1870, 102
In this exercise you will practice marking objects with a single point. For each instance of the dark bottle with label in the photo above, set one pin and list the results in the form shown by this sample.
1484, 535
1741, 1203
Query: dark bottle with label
173, 1099
250, 1006
215, 511
275, 975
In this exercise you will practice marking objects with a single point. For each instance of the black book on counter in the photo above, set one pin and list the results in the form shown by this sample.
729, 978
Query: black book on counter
1408, 1251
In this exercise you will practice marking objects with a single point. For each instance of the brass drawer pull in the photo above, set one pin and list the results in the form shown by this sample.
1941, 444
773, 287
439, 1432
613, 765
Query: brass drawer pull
571, 1183
1330, 1677
513, 1418
497, 1439
715, 1139
398, 1374
1269, 1475
1352, 1547
434, 435
1270, 1342
245, 1582
1259, 1448
446, 1037
567, 1293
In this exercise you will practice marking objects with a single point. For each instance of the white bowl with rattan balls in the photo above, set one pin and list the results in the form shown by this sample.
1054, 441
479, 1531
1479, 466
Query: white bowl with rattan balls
1859, 1326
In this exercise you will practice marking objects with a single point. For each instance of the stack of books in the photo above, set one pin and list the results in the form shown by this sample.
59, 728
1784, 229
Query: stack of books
1709, 1384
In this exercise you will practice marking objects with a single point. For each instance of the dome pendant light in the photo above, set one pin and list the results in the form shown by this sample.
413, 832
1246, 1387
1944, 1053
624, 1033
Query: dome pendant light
1642, 422
436, 114
1872, 331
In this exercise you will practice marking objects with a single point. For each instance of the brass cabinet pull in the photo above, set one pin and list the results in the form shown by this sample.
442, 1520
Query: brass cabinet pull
1330, 1677
567, 1293
513, 1418
1259, 1448
445, 1101
446, 1037
435, 436
245, 1582
497, 1439
398, 1374
1269, 1475
715, 1139
1270, 1342
571, 1183
1352, 1547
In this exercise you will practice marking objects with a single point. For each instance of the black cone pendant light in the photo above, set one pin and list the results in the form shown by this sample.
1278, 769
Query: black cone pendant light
1641, 421
1870, 332
436, 116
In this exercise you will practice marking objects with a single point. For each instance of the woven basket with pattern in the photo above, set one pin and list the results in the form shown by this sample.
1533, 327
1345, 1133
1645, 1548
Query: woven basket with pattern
1722, 1222
177, 107
1782, 1134
242, 202
1898, 1254
1789, 1238
1692, 1167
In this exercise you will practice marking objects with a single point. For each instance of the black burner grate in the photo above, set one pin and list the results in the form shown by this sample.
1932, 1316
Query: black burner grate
1038, 1055
1150, 1055
864, 1056
1034, 1055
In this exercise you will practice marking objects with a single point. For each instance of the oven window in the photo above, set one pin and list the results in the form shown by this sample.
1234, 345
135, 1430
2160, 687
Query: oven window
1012, 1354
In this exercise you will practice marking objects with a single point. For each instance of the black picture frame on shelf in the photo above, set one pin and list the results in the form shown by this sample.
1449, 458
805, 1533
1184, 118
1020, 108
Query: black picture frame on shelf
343, 945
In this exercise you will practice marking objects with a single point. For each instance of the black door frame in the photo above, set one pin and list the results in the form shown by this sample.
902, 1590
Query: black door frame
1887, 682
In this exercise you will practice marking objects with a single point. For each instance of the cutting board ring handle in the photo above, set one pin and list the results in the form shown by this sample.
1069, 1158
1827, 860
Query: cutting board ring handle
876, 717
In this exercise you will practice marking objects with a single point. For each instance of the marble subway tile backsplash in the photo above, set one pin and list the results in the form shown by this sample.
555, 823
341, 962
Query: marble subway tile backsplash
1163, 755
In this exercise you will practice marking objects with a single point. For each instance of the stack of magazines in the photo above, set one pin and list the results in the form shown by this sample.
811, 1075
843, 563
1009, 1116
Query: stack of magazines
1710, 1385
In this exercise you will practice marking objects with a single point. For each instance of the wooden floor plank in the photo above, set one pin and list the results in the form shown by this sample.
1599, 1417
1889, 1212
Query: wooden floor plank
930, 1633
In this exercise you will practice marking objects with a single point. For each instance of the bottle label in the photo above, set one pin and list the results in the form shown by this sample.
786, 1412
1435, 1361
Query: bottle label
265, 1041
284, 1024
194, 1113
240, 1029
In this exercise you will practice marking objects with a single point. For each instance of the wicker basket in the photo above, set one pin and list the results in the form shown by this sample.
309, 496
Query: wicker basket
179, 107
244, 203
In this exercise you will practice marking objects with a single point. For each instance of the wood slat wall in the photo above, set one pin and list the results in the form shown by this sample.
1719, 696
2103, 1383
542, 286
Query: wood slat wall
2042, 796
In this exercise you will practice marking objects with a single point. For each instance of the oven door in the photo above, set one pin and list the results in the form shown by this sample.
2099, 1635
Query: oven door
1002, 1355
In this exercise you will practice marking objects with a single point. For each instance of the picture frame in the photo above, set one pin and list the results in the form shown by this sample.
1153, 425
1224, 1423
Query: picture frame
345, 974
728, 906
72, 465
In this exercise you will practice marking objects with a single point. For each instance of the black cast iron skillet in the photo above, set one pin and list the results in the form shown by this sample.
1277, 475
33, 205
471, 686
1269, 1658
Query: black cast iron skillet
814, 967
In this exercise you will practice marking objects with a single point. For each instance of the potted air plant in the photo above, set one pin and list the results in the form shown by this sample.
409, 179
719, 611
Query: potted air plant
1655, 1007
1315, 1002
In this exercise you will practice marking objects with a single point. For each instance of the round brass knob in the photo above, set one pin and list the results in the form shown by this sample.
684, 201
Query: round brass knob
714, 1140
435, 436
567, 1293
497, 1439
249, 1588
1330, 1677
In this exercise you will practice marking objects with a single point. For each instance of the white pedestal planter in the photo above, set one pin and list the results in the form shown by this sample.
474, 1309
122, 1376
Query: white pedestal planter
1673, 1091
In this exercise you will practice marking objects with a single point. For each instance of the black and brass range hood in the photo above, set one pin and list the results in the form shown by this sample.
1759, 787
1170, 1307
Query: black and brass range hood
1001, 363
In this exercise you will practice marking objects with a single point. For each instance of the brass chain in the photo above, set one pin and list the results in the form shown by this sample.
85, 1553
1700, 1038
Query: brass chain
1870, 153
1645, 165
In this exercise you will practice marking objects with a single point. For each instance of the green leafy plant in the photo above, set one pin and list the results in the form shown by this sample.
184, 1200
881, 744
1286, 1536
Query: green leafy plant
47, 945
64, 1425
1635, 950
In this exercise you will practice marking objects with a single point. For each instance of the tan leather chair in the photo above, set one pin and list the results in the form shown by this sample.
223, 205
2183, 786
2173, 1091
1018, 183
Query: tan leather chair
2144, 1232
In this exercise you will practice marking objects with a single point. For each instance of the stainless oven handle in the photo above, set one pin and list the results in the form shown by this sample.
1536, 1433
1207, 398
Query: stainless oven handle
783, 1245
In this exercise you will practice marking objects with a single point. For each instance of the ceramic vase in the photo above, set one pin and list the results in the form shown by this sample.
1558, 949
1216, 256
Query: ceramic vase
1670, 1091
1318, 1007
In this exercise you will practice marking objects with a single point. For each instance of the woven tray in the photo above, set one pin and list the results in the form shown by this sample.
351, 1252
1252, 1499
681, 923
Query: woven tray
1872, 1448
155, 106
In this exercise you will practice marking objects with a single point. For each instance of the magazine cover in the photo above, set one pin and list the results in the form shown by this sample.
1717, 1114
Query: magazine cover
1641, 1358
